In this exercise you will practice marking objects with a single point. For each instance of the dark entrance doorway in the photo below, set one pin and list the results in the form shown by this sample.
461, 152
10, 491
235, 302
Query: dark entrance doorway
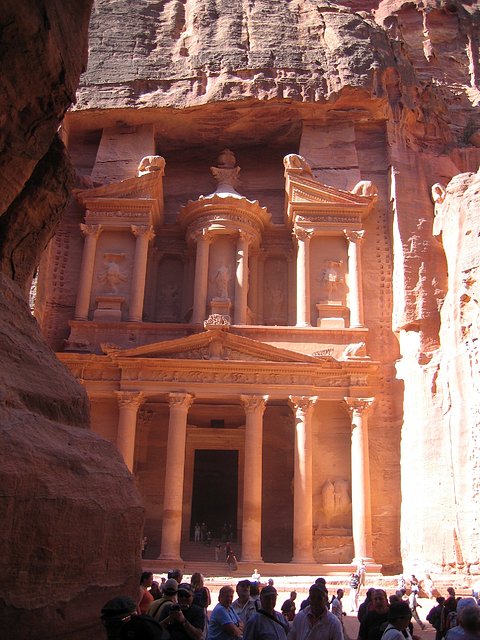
215, 490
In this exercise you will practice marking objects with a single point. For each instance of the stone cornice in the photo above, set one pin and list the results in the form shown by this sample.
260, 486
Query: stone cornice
154, 376
219, 214
321, 207
109, 204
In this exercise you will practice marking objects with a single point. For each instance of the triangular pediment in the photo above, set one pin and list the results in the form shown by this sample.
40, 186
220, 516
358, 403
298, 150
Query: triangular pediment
214, 344
305, 190
146, 186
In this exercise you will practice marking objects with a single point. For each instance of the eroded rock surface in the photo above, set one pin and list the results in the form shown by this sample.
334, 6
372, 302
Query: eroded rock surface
71, 516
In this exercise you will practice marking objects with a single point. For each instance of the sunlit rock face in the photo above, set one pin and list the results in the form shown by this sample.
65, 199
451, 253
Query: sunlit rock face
71, 516
386, 92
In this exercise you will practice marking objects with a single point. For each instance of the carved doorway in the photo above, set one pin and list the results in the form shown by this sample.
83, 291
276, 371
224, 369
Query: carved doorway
215, 491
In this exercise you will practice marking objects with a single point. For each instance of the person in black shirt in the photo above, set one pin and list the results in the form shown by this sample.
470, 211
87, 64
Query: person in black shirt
185, 620
372, 625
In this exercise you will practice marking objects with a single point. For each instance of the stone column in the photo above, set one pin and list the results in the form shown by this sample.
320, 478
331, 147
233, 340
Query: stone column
355, 277
201, 277
143, 235
180, 403
302, 479
303, 277
252, 487
253, 289
241, 281
91, 233
128, 403
260, 298
358, 409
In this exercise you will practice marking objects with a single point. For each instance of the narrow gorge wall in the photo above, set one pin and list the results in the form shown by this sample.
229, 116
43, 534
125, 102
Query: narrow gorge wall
71, 516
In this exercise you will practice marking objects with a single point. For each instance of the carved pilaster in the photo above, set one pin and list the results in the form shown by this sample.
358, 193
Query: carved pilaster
143, 235
303, 479
128, 404
355, 239
303, 276
91, 233
358, 408
252, 492
203, 239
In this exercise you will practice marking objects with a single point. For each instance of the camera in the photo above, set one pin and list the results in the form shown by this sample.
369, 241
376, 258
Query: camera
175, 607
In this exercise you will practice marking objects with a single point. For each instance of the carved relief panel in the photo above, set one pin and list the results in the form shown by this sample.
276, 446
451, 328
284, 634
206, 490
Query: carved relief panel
112, 275
222, 269
275, 291
329, 281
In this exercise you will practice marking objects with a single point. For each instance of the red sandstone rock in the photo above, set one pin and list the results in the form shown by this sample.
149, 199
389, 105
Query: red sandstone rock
71, 516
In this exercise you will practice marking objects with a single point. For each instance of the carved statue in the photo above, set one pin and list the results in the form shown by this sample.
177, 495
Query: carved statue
336, 502
438, 193
328, 499
330, 276
365, 188
342, 496
112, 275
222, 278
150, 164
294, 161
354, 350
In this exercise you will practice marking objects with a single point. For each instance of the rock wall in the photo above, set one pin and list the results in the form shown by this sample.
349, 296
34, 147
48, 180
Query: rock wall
71, 515
385, 91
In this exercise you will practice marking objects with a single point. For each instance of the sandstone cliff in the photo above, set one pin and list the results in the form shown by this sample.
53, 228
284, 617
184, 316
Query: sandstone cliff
71, 516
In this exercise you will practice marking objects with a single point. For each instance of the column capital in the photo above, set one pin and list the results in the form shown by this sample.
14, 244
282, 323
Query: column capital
303, 404
129, 398
91, 229
180, 400
201, 235
358, 406
142, 231
302, 234
254, 404
354, 236
244, 236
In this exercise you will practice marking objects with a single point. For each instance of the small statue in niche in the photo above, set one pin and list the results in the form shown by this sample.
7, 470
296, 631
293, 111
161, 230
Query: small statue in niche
112, 276
331, 277
222, 279
328, 499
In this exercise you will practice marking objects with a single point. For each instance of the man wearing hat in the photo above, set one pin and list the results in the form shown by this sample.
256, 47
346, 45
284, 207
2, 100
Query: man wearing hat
169, 597
315, 621
244, 605
267, 624
121, 621
183, 620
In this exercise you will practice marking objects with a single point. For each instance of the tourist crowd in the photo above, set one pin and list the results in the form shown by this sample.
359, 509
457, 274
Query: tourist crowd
177, 610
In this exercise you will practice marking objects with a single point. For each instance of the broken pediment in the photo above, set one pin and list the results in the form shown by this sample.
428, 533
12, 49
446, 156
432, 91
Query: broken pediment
216, 344
142, 194
309, 198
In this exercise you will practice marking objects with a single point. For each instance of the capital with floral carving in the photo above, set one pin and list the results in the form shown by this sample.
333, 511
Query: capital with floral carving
303, 405
131, 399
358, 406
143, 231
354, 236
91, 229
302, 234
254, 404
180, 400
